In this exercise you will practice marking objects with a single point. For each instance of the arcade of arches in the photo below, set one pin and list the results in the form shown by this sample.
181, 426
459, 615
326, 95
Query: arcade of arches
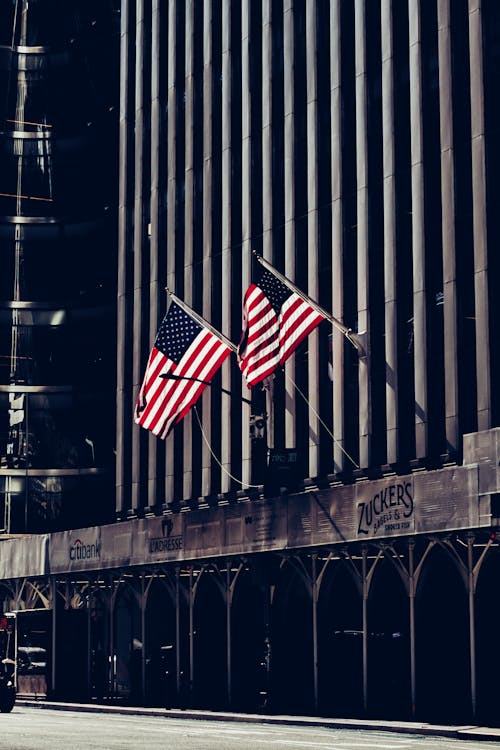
400, 630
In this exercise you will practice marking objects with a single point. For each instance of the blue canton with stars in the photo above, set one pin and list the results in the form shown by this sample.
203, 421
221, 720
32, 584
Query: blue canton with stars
275, 291
176, 333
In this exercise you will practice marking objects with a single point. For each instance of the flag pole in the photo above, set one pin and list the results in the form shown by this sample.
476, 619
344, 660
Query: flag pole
201, 320
348, 332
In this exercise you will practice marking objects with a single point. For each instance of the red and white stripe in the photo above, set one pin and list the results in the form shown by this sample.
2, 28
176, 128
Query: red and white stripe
261, 328
296, 321
163, 402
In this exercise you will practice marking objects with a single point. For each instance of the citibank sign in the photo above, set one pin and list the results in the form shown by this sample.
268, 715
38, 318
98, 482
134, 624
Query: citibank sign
81, 551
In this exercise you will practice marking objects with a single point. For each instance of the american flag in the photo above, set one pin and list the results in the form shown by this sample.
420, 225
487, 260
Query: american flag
184, 358
275, 320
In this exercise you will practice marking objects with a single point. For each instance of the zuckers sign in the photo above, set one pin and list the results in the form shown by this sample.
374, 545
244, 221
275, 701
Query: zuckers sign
388, 511
81, 551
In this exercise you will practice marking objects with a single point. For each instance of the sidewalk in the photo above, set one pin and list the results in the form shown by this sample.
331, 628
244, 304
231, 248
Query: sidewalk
464, 732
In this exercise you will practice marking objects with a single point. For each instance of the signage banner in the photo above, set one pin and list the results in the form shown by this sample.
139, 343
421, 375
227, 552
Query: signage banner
425, 502
22, 558
79, 549
158, 539
385, 508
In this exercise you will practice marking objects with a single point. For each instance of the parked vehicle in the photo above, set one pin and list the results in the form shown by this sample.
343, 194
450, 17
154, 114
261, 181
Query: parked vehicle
8, 662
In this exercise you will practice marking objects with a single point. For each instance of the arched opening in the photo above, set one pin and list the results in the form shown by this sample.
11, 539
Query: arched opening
291, 645
487, 608
210, 658
340, 643
442, 642
72, 666
389, 693
127, 657
99, 643
161, 667
248, 641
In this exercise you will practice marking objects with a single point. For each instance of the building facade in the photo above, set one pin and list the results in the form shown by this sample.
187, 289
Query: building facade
326, 544
59, 263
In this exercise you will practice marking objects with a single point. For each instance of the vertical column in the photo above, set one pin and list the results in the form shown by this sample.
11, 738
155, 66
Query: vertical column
289, 171
448, 225
418, 236
206, 477
143, 604
267, 170
187, 448
53, 604
472, 622
483, 368
314, 597
122, 403
362, 233
157, 293
227, 296
171, 184
178, 631
337, 249
365, 628
413, 659
312, 231
139, 343
389, 192
246, 212
229, 603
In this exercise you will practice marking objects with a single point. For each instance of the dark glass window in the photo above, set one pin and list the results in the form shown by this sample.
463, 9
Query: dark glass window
7, 10
53, 431
52, 503
404, 263
491, 44
376, 232
349, 227
433, 238
35, 354
324, 229
278, 188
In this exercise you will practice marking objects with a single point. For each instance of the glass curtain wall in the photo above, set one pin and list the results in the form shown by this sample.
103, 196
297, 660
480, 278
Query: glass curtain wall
57, 287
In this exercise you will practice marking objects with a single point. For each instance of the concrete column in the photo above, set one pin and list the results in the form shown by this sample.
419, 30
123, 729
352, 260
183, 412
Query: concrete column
483, 367
312, 232
362, 233
157, 297
227, 291
267, 171
123, 402
140, 345
418, 227
187, 447
206, 399
171, 198
246, 211
448, 225
337, 260
389, 192
289, 170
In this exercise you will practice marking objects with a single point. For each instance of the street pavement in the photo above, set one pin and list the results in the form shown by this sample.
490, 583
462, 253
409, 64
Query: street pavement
463, 732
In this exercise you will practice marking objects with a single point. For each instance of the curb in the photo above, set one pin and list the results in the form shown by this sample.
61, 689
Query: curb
463, 732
